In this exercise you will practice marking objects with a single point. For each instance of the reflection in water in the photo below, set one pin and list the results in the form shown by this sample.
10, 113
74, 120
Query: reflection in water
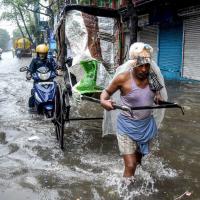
33, 167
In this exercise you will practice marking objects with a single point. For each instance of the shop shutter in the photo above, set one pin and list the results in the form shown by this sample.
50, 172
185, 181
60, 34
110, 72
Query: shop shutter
170, 51
149, 35
191, 62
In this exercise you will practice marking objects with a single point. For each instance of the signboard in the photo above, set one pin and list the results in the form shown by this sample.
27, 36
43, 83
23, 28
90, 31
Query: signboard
52, 44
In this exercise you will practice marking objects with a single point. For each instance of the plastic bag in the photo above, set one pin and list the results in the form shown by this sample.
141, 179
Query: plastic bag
88, 83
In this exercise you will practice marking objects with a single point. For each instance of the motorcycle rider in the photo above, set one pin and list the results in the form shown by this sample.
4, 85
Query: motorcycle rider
40, 60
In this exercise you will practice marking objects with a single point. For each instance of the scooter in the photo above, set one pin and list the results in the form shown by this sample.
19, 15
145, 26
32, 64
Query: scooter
43, 92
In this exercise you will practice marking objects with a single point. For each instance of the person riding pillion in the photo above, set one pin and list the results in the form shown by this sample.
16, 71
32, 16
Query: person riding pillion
41, 60
139, 85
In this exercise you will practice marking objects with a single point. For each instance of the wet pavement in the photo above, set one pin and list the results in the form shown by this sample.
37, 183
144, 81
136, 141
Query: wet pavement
33, 167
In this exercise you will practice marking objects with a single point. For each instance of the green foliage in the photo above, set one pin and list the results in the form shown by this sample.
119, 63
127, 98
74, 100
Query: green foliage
26, 14
4, 38
9, 16
17, 34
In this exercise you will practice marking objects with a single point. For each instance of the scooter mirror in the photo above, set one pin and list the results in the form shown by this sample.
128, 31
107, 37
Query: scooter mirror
23, 69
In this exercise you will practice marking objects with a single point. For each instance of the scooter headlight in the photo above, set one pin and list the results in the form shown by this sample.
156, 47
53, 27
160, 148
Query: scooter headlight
45, 76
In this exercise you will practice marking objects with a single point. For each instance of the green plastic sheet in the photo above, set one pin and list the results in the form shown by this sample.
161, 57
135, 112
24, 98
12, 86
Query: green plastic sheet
88, 83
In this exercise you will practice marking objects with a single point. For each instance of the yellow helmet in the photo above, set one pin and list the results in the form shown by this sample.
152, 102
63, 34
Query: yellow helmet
42, 48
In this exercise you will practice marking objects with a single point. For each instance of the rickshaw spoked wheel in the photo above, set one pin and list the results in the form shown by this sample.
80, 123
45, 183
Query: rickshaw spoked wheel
59, 117
66, 105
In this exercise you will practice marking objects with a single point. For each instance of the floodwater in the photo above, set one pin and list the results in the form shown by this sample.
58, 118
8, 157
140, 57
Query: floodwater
32, 167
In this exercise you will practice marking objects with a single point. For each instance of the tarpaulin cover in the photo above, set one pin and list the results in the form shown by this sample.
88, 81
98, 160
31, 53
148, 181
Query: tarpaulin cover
91, 38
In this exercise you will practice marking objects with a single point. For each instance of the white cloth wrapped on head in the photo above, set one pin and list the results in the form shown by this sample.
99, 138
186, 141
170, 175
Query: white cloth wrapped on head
139, 54
140, 49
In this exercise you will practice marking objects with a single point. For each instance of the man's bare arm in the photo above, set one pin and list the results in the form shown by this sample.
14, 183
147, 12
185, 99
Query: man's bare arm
106, 102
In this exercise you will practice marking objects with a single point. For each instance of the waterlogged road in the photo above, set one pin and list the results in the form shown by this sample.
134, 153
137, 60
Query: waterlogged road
32, 167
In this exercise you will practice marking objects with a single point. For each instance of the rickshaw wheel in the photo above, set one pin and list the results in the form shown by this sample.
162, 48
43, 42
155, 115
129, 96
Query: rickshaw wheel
66, 105
59, 118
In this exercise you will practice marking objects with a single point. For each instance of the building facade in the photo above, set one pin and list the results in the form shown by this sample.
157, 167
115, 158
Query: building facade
172, 28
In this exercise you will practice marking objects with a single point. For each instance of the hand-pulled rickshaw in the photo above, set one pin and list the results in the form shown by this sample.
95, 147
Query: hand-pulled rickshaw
90, 46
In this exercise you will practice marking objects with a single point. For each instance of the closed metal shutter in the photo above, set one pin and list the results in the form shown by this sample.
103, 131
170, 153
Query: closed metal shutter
191, 61
149, 35
170, 51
